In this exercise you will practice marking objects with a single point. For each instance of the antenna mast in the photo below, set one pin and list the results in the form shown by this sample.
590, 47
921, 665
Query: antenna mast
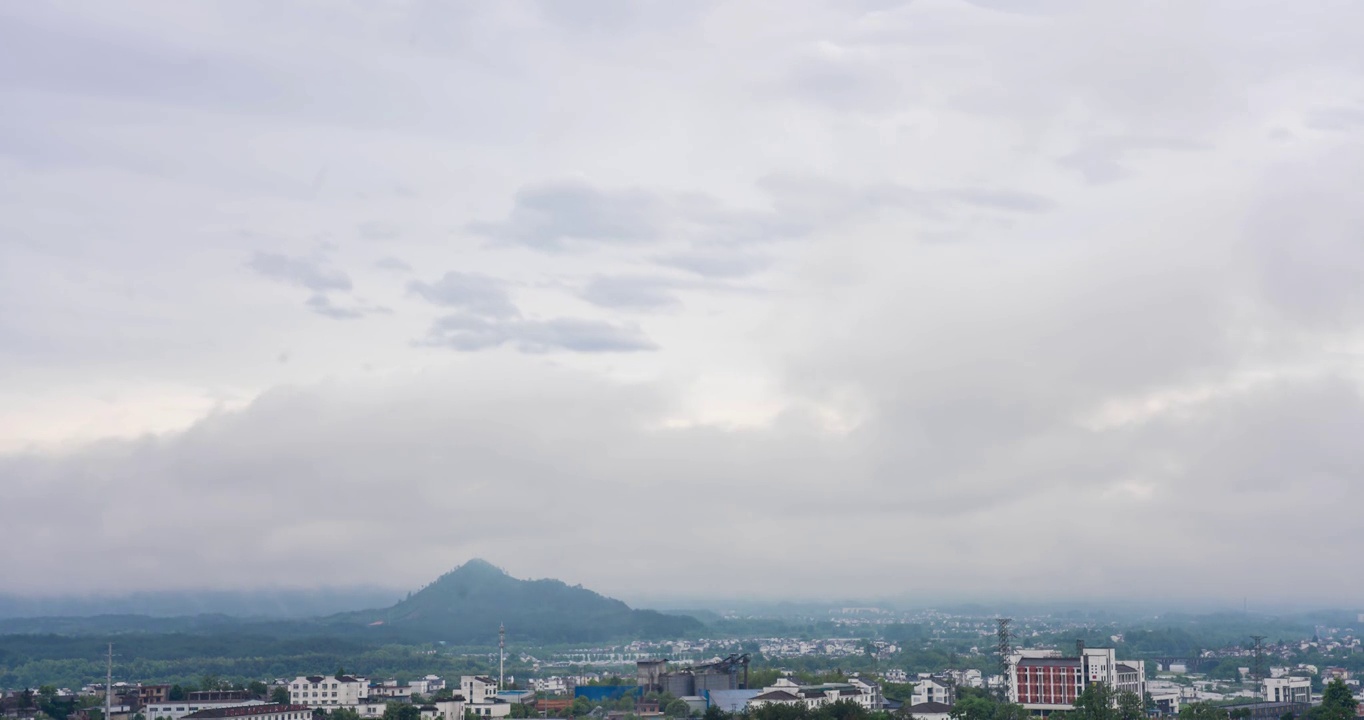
501, 653
1257, 669
109, 686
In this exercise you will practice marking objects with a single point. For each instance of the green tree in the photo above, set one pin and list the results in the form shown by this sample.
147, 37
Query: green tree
257, 689
521, 710
176, 693
677, 708
210, 681
443, 694
1130, 706
1203, 711
1240, 713
402, 711
344, 714
714, 712
973, 708
1336, 703
1095, 703
280, 695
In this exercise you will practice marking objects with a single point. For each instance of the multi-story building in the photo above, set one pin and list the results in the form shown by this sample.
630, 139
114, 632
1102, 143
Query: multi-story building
480, 696
931, 689
1290, 688
328, 690
1045, 680
254, 712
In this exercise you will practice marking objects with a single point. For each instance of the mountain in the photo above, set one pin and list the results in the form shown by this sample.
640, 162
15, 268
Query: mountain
466, 605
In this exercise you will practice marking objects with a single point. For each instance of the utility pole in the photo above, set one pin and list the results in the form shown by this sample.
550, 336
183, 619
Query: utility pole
1004, 649
501, 653
109, 686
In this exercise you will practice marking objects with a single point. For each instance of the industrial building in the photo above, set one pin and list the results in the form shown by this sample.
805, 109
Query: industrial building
724, 674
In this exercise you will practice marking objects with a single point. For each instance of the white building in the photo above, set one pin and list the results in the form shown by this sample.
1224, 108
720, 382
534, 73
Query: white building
444, 710
177, 709
1290, 688
254, 712
930, 711
929, 689
328, 690
787, 692
480, 696
427, 685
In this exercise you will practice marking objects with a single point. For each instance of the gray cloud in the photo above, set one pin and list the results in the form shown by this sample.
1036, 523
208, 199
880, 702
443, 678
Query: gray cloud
1148, 316
379, 230
552, 216
321, 304
302, 272
392, 263
639, 292
478, 294
716, 262
468, 333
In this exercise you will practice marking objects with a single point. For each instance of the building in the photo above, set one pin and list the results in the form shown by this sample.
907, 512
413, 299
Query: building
1167, 702
1289, 689
786, 692
254, 712
930, 711
177, 709
1045, 680
480, 696
328, 690
148, 694
444, 710
933, 689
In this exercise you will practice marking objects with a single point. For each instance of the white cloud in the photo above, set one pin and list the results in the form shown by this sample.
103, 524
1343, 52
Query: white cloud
938, 273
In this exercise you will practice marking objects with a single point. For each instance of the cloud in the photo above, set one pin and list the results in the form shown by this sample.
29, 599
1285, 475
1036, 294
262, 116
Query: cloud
299, 271
323, 305
468, 333
478, 294
392, 263
378, 230
716, 262
553, 216
637, 292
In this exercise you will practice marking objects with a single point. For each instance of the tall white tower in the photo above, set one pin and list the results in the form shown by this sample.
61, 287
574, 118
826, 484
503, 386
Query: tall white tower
501, 653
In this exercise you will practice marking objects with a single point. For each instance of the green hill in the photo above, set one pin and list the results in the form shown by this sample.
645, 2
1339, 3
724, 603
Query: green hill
466, 605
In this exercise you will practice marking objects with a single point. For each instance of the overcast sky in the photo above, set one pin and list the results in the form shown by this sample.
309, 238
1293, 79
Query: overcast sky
939, 298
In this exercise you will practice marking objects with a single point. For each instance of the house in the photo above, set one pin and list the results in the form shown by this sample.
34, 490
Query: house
328, 690
254, 712
930, 711
480, 693
934, 689
787, 692
444, 709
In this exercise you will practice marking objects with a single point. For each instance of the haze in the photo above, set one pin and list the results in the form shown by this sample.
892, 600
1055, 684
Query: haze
747, 299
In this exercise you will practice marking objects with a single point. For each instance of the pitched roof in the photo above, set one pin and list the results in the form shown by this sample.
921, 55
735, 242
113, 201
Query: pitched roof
778, 695
246, 711
930, 708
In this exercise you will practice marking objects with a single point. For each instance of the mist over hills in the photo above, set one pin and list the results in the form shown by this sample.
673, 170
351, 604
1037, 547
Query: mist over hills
264, 603
464, 606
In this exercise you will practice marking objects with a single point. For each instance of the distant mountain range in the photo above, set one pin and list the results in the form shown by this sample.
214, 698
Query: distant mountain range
462, 607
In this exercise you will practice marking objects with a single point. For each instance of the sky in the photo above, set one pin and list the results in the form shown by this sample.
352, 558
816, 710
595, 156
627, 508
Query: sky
761, 299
